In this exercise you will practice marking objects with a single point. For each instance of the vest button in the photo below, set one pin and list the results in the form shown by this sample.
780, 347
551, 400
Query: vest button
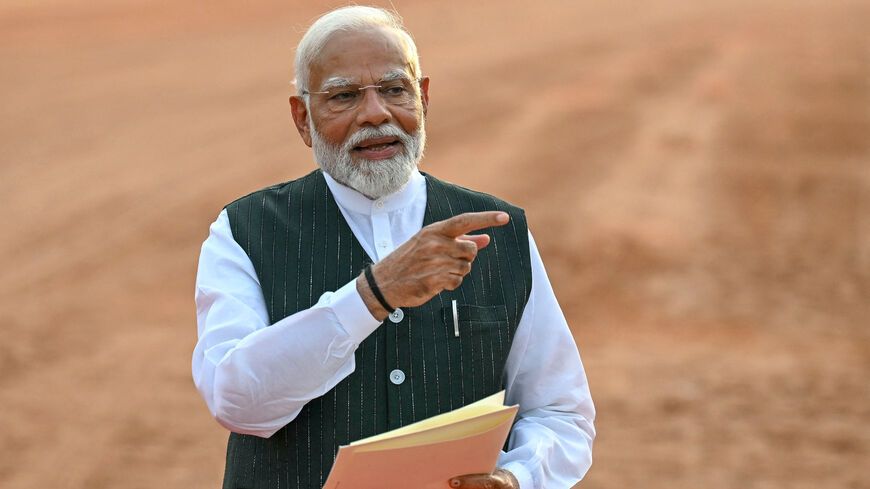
397, 376
397, 316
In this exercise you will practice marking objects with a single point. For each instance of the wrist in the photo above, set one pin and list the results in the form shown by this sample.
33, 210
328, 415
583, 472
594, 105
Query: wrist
374, 306
373, 286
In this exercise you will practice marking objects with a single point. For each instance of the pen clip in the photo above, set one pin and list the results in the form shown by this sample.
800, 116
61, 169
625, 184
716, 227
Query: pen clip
455, 320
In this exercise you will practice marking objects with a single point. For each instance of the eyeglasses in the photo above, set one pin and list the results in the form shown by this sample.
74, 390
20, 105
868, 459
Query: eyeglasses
398, 91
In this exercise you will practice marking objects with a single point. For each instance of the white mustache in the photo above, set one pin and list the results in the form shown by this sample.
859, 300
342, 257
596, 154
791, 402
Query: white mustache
383, 130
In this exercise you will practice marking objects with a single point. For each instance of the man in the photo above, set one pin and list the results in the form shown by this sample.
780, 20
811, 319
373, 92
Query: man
363, 296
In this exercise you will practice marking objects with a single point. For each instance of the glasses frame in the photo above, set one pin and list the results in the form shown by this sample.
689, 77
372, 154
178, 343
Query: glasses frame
377, 85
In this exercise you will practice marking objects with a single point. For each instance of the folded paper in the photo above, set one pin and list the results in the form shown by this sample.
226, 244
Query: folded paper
428, 453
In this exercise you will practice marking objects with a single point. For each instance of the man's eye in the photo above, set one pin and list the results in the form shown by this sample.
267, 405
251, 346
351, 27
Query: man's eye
393, 91
344, 95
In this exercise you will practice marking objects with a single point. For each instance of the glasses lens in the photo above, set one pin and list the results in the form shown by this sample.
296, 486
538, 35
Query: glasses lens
397, 92
343, 98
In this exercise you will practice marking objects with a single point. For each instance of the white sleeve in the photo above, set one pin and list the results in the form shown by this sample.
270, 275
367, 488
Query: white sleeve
255, 379
550, 444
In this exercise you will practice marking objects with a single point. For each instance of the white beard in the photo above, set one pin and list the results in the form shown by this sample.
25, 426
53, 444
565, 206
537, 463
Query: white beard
372, 178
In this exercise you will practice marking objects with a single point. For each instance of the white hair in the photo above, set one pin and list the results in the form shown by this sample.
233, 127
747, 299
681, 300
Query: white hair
350, 18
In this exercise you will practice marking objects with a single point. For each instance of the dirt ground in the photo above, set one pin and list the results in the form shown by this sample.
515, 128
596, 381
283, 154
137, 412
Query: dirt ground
697, 176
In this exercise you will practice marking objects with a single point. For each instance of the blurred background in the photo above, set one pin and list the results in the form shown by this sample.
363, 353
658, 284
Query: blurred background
696, 174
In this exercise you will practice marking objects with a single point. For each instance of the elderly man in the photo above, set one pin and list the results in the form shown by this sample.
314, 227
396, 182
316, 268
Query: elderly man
325, 304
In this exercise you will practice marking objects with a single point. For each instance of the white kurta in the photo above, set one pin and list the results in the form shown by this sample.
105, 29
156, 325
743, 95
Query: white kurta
255, 379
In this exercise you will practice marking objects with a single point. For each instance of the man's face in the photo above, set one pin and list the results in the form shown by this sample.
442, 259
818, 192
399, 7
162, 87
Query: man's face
374, 134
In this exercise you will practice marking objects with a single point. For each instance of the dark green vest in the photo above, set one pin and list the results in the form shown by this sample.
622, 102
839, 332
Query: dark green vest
301, 247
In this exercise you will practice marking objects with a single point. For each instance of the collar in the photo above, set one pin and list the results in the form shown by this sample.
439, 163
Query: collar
352, 200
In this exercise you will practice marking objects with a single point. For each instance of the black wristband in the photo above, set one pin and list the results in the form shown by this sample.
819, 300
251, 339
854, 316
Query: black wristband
370, 278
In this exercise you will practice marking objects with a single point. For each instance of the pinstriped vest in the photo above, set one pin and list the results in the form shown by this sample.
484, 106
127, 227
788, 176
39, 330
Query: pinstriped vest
301, 247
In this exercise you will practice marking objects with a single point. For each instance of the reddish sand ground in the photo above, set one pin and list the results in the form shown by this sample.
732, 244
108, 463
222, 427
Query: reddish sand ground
697, 176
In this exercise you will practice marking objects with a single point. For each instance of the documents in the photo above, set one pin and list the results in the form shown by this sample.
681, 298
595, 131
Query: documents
428, 453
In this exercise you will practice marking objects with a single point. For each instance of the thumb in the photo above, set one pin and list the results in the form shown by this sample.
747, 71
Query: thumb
481, 240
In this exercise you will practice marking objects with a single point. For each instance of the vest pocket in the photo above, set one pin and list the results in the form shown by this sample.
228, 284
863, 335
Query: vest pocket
480, 350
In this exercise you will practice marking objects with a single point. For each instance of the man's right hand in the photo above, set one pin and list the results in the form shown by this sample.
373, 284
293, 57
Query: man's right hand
435, 259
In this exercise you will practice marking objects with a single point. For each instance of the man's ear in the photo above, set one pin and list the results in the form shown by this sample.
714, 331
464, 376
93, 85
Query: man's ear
424, 94
300, 118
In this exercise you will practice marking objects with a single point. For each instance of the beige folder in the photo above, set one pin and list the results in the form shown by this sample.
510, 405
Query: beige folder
427, 454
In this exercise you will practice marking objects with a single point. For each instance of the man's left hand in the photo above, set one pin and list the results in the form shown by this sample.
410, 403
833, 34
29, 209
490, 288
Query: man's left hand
500, 479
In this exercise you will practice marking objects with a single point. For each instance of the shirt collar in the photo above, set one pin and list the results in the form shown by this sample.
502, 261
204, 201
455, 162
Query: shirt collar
352, 200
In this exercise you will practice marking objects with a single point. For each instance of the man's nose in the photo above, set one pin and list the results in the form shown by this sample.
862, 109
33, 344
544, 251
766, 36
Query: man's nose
372, 110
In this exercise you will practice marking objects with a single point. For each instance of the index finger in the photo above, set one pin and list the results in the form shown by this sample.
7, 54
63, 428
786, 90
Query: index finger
470, 221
